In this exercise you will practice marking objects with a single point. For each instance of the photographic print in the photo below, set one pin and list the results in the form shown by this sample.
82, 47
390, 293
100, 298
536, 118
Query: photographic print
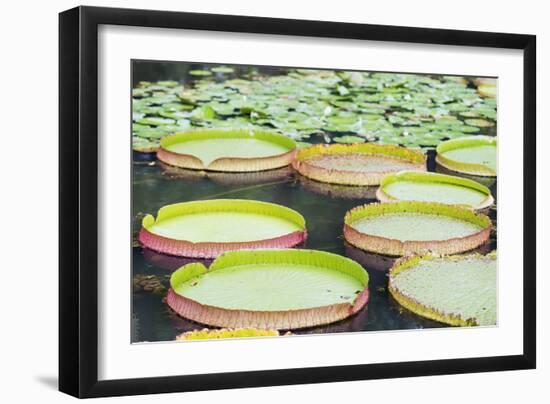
277, 201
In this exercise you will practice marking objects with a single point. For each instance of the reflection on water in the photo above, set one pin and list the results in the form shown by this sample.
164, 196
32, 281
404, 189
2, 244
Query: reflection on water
337, 190
487, 181
237, 179
156, 185
169, 262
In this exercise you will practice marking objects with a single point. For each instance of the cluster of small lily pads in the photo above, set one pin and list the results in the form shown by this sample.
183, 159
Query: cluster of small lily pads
315, 106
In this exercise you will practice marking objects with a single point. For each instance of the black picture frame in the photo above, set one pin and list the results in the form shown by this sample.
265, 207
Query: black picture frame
78, 195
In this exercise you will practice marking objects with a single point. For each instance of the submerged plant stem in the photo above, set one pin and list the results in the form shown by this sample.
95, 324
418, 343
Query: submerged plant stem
248, 188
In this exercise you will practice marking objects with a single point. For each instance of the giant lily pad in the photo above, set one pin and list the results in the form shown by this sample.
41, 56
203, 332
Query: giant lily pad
358, 164
208, 228
433, 187
457, 290
411, 227
226, 333
473, 155
227, 150
270, 289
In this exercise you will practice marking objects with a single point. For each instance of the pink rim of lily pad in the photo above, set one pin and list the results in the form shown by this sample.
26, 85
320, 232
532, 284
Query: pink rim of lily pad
263, 319
227, 163
395, 247
397, 158
205, 250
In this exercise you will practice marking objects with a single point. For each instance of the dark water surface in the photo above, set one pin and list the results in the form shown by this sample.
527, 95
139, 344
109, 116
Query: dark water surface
322, 205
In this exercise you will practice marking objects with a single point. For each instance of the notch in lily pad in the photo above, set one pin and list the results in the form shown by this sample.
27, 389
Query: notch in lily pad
227, 150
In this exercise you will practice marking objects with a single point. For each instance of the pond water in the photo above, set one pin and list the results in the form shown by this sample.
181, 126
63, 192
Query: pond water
322, 205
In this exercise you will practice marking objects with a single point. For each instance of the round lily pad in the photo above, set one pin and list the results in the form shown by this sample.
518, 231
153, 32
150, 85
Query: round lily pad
487, 90
205, 229
222, 69
357, 164
457, 290
227, 150
143, 145
270, 289
155, 121
473, 155
480, 123
200, 73
411, 227
433, 187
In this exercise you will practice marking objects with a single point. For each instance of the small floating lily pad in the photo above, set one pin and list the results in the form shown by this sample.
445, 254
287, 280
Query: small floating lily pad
411, 227
227, 150
487, 90
200, 73
222, 69
349, 139
433, 187
473, 155
357, 164
457, 290
208, 228
480, 123
155, 121
270, 289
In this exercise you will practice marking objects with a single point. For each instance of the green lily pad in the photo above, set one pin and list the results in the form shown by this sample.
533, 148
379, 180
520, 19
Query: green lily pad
214, 221
413, 227
222, 69
280, 289
205, 229
167, 83
432, 187
155, 121
474, 155
228, 150
457, 290
200, 73
480, 123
